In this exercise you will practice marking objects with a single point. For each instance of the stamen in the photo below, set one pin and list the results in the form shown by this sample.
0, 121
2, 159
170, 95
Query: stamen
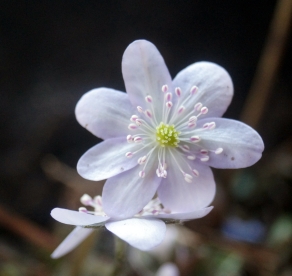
218, 151
181, 109
129, 138
205, 158
169, 104
148, 113
198, 106
168, 96
212, 125
178, 91
134, 118
191, 157
195, 139
193, 119
194, 90
204, 151
188, 178
148, 99
185, 148
86, 199
132, 126
140, 109
142, 174
191, 125
204, 110
195, 172
164, 88
142, 160
138, 139
129, 154
138, 122
83, 210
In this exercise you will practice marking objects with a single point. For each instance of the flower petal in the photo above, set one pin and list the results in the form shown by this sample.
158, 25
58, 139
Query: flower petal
78, 235
180, 196
143, 234
76, 218
145, 73
186, 216
214, 83
168, 269
242, 145
105, 112
126, 194
107, 159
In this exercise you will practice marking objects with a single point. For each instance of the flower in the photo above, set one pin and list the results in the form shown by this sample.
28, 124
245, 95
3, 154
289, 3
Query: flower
144, 231
163, 135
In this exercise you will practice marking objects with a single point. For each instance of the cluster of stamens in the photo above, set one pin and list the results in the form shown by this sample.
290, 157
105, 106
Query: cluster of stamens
154, 207
172, 133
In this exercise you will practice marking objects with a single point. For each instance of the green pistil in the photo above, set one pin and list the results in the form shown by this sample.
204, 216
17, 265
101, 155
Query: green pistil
167, 135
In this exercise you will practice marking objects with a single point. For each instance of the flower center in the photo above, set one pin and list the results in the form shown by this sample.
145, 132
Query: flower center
167, 135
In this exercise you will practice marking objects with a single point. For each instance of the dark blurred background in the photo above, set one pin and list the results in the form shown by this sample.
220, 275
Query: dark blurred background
52, 52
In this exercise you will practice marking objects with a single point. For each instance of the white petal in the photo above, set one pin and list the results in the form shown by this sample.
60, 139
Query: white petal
180, 196
143, 234
214, 83
76, 218
185, 216
107, 159
145, 73
105, 112
126, 194
78, 235
168, 269
242, 145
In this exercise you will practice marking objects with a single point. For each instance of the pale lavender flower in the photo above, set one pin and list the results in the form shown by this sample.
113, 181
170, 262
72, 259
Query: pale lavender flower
163, 135
143, 231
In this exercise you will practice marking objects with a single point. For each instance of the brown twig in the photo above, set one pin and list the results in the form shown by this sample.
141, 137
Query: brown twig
268, 64
27, 229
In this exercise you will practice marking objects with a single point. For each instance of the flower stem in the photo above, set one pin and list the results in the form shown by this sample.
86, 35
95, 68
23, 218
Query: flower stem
120, 256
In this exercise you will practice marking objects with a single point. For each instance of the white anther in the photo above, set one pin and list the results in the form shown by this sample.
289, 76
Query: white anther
212, 125
191, 125
168, 96
129, 154
142, 160
218, 151
193, 119
82, 210
164, 88
148, 113
86, 199
132, 126
129, 138
205, 158
204, 110
148, 99
206, 126
198, 106
191, 157
142, 174
138, 122
195, 172
204, 151
134, 118
178, 91
195, 139
138, 139
185, 148
169, 104
194, 90
140, 109
181, 109
98, 200
188, 178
